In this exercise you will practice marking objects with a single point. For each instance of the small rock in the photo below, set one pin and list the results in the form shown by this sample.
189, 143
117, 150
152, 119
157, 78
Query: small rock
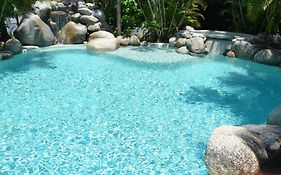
5, 55
94, 28
134, 41
189, 28
229, 53
14, 46
75, 17
182, 50
180, 42
88, 20
172, 41
84, 11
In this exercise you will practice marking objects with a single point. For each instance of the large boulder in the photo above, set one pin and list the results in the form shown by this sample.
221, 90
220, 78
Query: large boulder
33, 31
88, 20
268, 56
244, 49
72, 33
101, 34
42, 9
234, 151
275, 117
13, 45
172, 41
196, 45
103, 44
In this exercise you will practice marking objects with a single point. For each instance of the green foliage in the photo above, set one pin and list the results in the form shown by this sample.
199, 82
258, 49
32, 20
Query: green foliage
254, 16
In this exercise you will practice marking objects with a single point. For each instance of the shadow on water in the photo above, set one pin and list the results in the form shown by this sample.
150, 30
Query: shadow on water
25, 62
256, 93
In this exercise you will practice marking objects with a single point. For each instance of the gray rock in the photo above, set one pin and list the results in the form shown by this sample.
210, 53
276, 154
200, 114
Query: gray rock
103, 44
275, 117
196, 45
172, 42
33, 31
61, 7
75, 17
42, 9
182, 50
186, 34
88, 20
14, 46
244, 49
72, 33
95, 27
99, 14
5, 55
85, 11
180, 42
134, 41
101, 34
233, 150
268, 56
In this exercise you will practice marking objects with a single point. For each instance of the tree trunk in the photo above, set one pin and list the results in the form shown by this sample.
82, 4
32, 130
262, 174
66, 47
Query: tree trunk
118, 15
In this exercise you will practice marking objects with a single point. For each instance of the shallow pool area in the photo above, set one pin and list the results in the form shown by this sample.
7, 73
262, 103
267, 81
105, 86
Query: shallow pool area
65, 110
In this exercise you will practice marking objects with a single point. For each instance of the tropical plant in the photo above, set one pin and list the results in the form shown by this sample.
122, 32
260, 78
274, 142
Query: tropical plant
167, 17
254, 16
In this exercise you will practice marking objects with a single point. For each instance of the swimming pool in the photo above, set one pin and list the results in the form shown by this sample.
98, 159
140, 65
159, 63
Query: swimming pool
65, 110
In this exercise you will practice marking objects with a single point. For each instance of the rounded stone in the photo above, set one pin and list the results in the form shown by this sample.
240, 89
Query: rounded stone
103, 44
88, 20
172, 41
231, 150
182, 50
72, 33
13, 45
268, 56
134, 41
244, 49
84, 11
180, 42
101, 34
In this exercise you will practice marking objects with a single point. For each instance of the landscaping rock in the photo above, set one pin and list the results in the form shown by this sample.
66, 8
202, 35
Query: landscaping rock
134, 41
182, 50
88, 20
84, 11
5, 55
89, 5
196, 45
244, 49
275, 117
234, 150
14, 46
54, 5
94, 28
61, 7
42, 9
33, 31
123, 41
172, 42
268, 56
75, 17
186, 34
72, 33
101, 34
189, 28
99, 14
181, 42
103, 44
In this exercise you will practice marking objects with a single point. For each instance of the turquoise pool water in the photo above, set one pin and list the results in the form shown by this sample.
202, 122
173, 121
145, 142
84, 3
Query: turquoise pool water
69, 111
